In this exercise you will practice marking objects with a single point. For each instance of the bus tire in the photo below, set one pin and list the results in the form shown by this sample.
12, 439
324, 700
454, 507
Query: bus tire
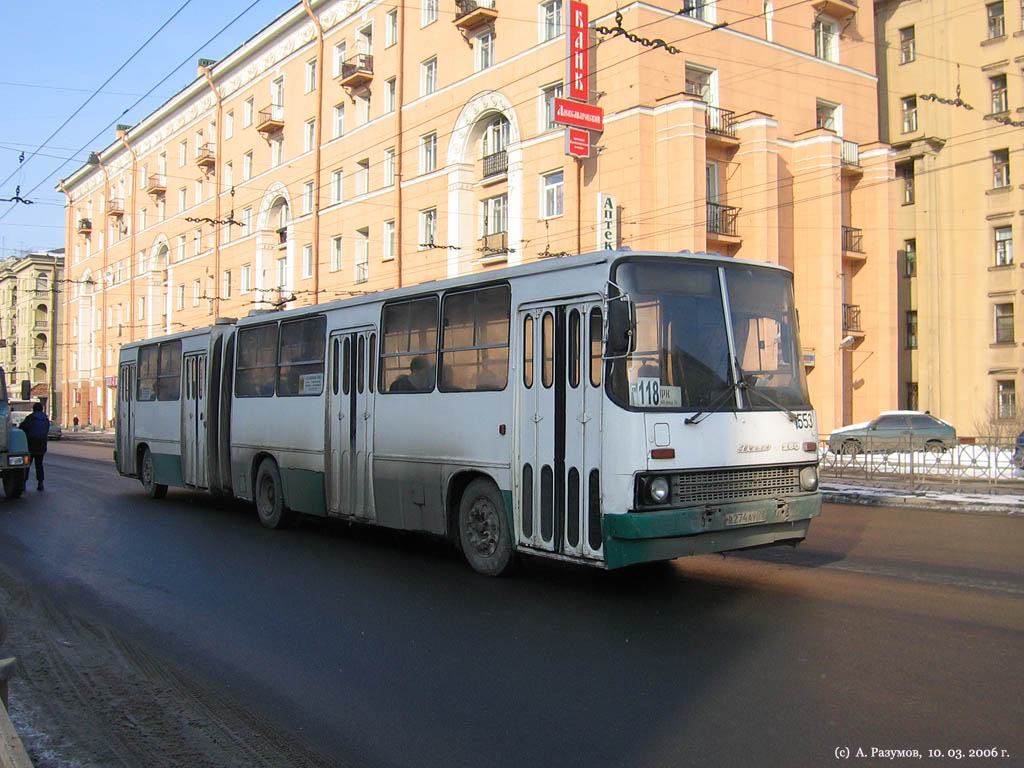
14, 483
152, 488
270, 497
483, 529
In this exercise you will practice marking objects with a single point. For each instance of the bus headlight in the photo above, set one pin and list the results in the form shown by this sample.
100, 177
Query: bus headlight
809, 478
657, 490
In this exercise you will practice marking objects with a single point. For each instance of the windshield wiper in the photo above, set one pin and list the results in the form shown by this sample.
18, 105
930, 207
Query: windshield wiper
730, 387
747, 388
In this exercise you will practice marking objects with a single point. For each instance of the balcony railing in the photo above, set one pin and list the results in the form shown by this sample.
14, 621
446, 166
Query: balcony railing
115, 207
850, 153
721, 122
851, 318
84, 226
206, 158
496, 164
270, 119
470, 14
722, 219
853, 239
496, 242
356, 70
156, 184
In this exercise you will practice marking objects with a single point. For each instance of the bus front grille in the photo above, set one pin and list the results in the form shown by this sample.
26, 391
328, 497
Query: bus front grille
722, 485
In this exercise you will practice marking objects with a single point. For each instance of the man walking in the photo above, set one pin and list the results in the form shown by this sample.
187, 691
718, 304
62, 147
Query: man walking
36, 427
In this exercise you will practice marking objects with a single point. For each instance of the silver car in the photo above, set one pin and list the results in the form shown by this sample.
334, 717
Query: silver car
894, 431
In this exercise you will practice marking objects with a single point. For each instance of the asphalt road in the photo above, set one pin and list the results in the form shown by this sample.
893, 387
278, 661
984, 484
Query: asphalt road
891, 629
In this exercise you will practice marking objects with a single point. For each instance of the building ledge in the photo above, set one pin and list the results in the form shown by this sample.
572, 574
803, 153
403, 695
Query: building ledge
1003, 345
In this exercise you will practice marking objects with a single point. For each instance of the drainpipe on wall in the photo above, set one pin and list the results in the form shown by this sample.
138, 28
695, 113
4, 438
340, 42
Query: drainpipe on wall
123, 136
205, 71
103, 306
67, 308
318, 134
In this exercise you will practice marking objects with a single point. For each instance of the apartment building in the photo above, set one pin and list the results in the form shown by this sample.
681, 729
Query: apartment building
353, 146
952, 106
30, 306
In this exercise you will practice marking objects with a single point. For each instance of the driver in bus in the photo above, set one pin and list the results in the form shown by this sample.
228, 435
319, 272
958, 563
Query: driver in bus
419, 379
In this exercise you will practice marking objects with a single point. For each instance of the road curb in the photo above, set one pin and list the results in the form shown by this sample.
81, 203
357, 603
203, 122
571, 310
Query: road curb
978, 505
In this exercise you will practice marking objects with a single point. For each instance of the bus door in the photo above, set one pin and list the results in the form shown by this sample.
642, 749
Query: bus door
352, 355
193, 433
126, 419
558, 452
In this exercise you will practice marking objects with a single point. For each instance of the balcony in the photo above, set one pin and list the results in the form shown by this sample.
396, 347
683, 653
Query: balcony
356, 71
115, 207
722, 220
270, 119
84, 226
851, 318
495, 165
282, 237
156, 184
853, 240
206, 159
470, 14
493, 244
837, 9
720, 125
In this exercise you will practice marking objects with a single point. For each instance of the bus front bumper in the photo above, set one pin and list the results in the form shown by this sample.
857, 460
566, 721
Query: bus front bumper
639, 537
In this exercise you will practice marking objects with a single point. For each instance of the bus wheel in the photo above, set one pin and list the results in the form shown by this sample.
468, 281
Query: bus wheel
14, 483
152, 488
483, 529
270, 496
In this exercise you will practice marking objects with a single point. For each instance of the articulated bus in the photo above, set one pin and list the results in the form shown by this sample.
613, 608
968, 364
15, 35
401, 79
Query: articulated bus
610, 408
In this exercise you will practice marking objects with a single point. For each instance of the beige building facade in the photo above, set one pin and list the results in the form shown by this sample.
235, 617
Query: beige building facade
952, 106
30, 315
353, 146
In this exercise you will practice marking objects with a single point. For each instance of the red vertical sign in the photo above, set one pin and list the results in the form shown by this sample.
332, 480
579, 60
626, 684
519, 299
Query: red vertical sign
577, 142
579, 57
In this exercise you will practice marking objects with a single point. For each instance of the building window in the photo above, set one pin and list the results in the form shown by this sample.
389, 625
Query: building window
229, 124
826, 115
335, 253
1004, 324
199, 191
996, 20
182, 199
484, 48
550, 19
908, 49
277, 151
428, 76
911, 329
225, 289
180, 301
698, 82
428, 228
310, 75
1001, 168
339, 120
1004, 246
913, 400
390, 95
1006, 399
197, 242
494, 213
905, 176
246, 281
362, 257
196, 292
908, 107
910, 257
182, 240
309, 135
997, 86
552, 186
307, 261
388, 241
363, 176
282, 272
391, 28
389, 167
307, 197
247, 112
428, 12
229, 175
183, 152
247, 166
548, 96
696, 9
363, 106
337, 179
246, 222
826, 39
428, 153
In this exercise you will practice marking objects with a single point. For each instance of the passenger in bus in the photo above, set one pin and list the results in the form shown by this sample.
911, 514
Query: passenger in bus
419, 379
36, 427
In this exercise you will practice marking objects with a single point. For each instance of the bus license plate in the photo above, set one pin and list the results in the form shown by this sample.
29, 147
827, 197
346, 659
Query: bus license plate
746, 518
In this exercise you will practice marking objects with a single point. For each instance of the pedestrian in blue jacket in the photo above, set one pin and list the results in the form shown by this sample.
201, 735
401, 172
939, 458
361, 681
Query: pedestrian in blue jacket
36, 427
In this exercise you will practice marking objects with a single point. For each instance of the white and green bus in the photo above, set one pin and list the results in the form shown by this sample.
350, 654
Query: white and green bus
609, 409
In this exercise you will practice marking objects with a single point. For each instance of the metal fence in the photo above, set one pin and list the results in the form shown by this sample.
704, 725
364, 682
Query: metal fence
974, 464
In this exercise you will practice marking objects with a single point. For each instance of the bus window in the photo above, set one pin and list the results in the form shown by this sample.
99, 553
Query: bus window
361, 365
346, 366
168, 383
371, 361
547, 350
148, 359
334, 366
257, 361
596, 330
528, 351
574, 349
301, 370
408, 354
474, 347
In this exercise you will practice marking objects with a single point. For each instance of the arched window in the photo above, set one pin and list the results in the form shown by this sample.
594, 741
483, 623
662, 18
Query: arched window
42, 281
42, 316
496, 135
39, 346
39, 374
279, 218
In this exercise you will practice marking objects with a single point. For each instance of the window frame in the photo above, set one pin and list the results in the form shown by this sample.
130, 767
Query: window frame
482, 364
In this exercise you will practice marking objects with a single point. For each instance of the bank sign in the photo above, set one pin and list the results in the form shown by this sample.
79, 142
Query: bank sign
576, 113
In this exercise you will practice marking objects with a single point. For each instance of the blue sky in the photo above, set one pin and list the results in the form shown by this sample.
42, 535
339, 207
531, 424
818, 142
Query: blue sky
55, 55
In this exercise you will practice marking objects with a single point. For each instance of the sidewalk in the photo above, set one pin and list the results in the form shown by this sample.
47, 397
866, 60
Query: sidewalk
951, 500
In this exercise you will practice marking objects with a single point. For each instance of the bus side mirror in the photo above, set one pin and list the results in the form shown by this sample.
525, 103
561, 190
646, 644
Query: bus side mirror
621, 323
26, 389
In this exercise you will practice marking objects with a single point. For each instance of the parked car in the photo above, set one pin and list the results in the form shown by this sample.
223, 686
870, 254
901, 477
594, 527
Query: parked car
1018, 453
894, 431
55, 433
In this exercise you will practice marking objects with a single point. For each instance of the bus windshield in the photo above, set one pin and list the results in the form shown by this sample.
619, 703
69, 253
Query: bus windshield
682, 354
